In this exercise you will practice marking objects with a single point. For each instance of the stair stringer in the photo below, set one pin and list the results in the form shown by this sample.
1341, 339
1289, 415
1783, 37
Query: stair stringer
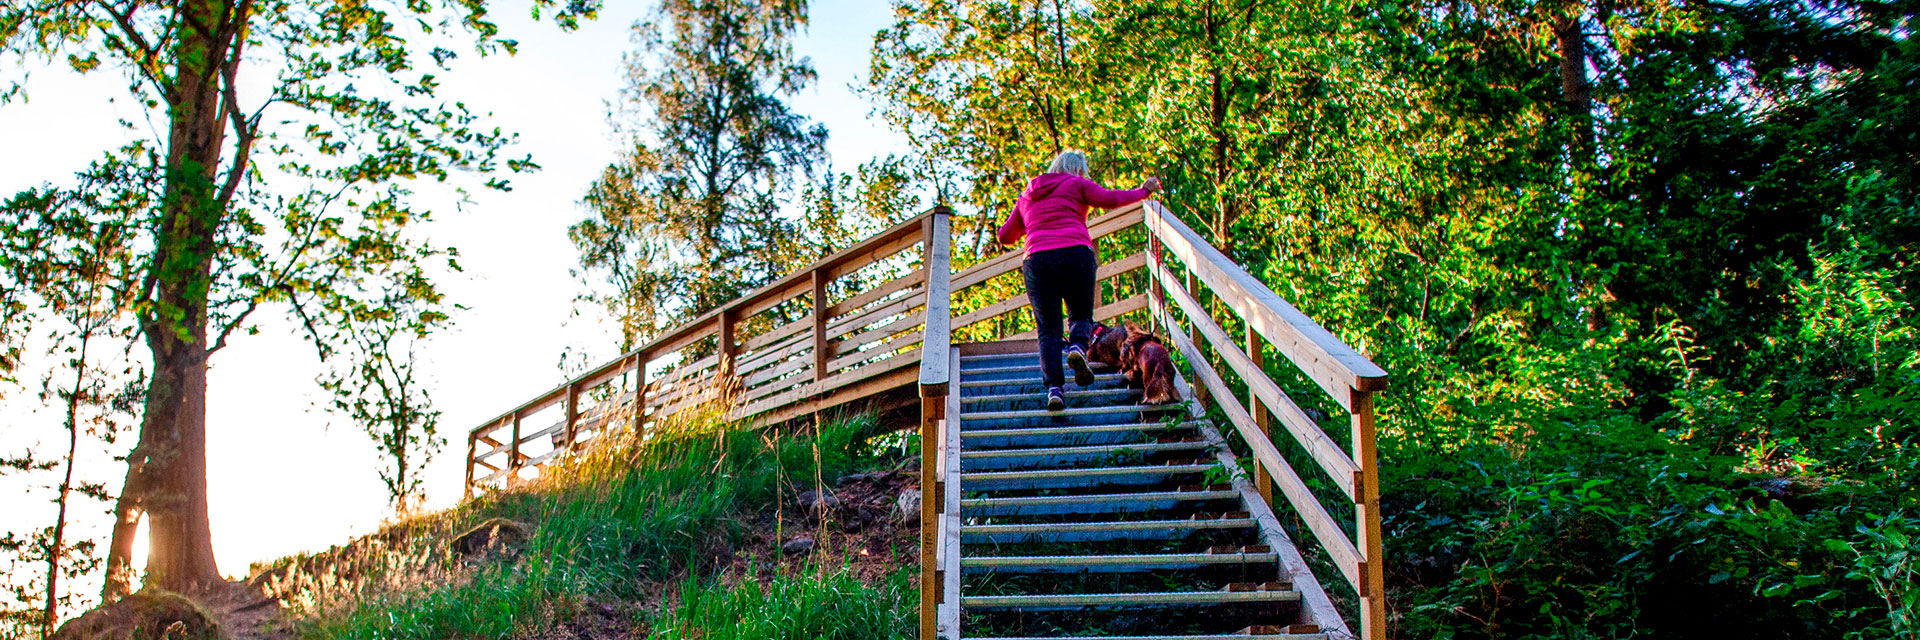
1314, 599
948, 625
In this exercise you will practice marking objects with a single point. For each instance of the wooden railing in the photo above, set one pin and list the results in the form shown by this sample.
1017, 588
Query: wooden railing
842, 329
1348, 378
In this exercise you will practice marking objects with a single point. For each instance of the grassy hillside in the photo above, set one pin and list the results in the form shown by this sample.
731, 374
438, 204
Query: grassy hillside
676, 536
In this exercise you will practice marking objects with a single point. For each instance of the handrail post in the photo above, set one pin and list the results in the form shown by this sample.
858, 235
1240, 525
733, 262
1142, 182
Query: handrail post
821, 352
935, 352
472, 439
1373, 591
513, 451
635, 423
573, 414
723, 358
1261, 477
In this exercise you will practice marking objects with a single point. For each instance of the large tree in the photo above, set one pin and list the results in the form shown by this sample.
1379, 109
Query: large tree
287, 133
692, 216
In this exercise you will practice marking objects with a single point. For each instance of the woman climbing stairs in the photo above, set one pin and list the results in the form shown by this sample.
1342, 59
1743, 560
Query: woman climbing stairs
1109, 519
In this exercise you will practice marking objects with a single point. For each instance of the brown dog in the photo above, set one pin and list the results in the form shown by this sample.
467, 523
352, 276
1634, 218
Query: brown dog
1146, 362
1105, 348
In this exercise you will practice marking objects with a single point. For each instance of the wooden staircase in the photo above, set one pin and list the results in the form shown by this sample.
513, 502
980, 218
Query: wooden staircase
1106, 520
1109, 519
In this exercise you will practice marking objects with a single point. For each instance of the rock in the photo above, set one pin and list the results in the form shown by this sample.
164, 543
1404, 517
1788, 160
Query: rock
495, 534
151, 614
906, 508
811, 500
852, 478
797, 546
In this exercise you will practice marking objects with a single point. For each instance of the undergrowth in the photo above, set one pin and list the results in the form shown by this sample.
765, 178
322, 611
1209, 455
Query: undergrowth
621, 522
823, 605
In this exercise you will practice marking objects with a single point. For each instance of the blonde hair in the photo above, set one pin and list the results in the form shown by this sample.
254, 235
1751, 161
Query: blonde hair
1069, 161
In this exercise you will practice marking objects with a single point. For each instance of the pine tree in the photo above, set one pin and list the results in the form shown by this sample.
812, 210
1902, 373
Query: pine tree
692, 216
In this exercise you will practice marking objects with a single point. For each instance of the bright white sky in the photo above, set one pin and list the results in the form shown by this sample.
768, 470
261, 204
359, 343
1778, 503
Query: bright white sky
284, 475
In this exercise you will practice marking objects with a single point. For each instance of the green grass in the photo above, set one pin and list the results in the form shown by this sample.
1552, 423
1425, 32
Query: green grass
821, 605
609, 524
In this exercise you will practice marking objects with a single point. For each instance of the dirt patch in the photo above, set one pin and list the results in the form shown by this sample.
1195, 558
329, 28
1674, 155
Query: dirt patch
859, 531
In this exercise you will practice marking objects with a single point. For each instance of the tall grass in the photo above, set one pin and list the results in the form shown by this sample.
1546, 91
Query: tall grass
628, 514
822, 605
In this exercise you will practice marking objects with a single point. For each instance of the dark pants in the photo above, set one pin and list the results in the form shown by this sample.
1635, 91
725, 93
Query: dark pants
1056, 276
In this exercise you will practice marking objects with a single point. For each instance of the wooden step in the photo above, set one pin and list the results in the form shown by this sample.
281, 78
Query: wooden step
1041, 396
1113, 563
1078, 477
1106, 600
1068, 435
1097, 531
977, 416
1097, 503
999, 459
1214, 636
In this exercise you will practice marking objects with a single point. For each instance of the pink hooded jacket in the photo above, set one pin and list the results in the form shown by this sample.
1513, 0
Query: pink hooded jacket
1052, 213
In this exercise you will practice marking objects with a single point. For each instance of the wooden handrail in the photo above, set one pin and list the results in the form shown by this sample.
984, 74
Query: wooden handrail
1348, 378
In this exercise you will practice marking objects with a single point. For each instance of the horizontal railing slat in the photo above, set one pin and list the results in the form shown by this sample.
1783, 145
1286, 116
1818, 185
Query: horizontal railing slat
1325, 451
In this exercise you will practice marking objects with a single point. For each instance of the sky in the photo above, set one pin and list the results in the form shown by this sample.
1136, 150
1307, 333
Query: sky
285, 476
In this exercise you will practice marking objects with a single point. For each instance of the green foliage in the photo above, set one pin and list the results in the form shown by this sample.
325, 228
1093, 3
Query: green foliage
1651, 323
829, 605
610, 524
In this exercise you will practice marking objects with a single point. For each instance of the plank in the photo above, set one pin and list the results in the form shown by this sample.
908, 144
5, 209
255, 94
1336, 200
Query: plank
871, 295
1331, 458
902, 359
937, 335
1332, 364
852, 343
839, 329
1325, 529
759, 361
950, 491
777, 335
858, 357
791, 366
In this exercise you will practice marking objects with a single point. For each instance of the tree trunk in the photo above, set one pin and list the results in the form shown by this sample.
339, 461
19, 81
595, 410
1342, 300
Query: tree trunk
1575, 93
167, 479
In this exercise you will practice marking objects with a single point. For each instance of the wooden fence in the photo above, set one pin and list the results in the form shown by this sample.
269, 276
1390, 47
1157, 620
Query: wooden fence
842, 329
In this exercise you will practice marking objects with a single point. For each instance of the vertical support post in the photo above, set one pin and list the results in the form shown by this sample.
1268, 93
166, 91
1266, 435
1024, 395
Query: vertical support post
1156, 263
472, 439
1193, 333
1373, 592
931, 409
1261, 479
639, 393
513, 450
725, 350
820, 347
573, 414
